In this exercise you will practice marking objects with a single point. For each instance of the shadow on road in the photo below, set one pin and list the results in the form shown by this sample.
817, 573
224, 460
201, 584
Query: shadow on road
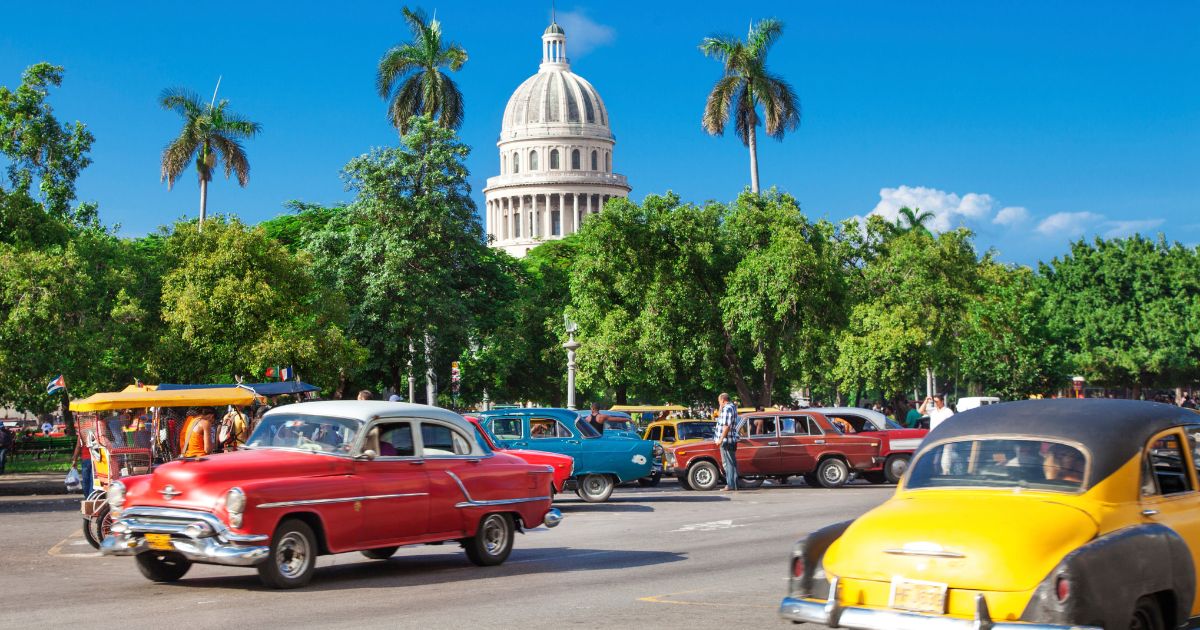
411, 570
38, 506
583, 507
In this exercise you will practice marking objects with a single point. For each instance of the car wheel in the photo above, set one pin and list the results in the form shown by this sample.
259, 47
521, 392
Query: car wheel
89, 533
875, 476
292, 558
1147, 615
703, 476
595, 488
894, 467
160, 566
832, 473
651, 481
492, 542
811, 479
750, 482
683, 482
382, 553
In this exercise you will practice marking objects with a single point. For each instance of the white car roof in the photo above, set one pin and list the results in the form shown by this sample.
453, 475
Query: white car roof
876, 418
367, 410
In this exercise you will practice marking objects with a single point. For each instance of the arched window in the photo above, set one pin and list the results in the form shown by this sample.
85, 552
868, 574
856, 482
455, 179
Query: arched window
554, 159
533, 165
607, 162
595, 166
516, 163
575, 160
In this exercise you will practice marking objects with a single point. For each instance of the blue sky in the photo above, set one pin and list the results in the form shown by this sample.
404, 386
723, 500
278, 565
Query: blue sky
1030, 122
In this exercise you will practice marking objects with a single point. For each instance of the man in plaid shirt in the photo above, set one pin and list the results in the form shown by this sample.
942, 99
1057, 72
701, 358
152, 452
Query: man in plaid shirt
726, 436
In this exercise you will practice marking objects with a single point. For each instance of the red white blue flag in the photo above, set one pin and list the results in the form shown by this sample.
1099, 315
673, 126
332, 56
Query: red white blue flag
286, 373
56, 385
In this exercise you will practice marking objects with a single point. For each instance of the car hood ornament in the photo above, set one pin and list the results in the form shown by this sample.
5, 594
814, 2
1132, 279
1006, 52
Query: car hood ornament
169, 492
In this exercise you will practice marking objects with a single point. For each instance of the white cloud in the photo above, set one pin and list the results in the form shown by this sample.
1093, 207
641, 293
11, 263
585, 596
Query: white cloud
584, 34
1011, 216
1069, 224
949, 210
1121, 229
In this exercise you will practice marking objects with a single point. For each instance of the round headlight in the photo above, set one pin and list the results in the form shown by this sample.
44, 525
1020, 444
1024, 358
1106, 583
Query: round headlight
235, 505
116, 495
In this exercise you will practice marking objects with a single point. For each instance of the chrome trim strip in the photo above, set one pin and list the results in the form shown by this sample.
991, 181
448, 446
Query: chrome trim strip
473, 503
931, 554
800, 609
129, 517
341, 500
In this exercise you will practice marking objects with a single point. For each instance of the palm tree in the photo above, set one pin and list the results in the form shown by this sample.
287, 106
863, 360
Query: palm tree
209, 133
411, 79
908, 220
746, 85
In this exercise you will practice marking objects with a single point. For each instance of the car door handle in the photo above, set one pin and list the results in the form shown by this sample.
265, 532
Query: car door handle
572, 441
772, 443
518, 444
417, 462
818, 441
1149, 512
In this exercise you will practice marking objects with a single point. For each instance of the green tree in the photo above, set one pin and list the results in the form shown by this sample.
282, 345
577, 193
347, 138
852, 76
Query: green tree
1127, 310
209, 133
746, 85
909, 219
236, 301
410, 75
306, 219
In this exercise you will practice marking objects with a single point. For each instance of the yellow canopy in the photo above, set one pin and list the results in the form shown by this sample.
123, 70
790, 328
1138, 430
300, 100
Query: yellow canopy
140, 388
646, 408
138, 398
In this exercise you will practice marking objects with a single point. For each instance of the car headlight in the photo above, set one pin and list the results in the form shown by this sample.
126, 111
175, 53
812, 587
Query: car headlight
235, 505
658, 450
116, 498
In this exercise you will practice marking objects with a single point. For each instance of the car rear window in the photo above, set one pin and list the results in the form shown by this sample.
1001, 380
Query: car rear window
1001, 463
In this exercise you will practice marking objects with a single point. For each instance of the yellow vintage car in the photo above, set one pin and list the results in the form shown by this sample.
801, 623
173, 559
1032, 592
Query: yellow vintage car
1033, 514
676, 431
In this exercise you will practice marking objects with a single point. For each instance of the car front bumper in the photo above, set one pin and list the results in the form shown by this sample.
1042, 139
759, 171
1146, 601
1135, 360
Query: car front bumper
197, 536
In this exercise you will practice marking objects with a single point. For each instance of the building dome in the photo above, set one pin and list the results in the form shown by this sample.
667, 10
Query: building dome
555, 156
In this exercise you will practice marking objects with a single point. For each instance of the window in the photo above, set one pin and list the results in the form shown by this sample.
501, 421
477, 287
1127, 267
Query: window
1001, 463
655, 434
595, 164
439, 439
668, 434
1168, 466
761, 426
575, 160
533, 162
542, 428
516, 163
556, 223
310, 433
697, 430
586, 430
554, 159
799, 425
394, 439
507, 428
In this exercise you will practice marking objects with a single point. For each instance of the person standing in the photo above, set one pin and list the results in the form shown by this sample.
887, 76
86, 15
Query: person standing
911, 416
196, 439
6, 442
935, 407
726, 437
83, 455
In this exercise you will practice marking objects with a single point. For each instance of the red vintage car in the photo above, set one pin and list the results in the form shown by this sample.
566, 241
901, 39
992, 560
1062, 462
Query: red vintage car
896, 443
776, 445
562, 465
330, 477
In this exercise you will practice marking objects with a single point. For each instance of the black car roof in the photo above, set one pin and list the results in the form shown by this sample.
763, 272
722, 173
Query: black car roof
1112, 430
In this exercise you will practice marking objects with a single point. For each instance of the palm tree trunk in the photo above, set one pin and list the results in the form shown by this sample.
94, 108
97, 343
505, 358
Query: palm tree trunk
753, 144
203, 203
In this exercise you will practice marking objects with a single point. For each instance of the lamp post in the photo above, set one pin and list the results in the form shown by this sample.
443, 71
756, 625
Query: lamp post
571, 346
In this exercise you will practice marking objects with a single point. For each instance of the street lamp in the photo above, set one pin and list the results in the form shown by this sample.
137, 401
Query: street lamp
571, 346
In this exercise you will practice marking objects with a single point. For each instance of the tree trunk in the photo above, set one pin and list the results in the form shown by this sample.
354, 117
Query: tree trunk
753, 144
430, 376
768, 387
412, 379
621, 394
730, 359
203, 204
67, 417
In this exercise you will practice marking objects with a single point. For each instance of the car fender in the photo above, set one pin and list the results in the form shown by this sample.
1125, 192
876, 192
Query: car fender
811, 549
1152, 558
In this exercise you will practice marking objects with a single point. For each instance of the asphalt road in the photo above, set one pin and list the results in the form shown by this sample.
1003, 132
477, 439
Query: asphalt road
650, 558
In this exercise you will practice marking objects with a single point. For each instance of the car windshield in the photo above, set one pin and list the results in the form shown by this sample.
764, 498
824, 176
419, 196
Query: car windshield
696, 430
1000, 463
585, 429
310, 433
892, 424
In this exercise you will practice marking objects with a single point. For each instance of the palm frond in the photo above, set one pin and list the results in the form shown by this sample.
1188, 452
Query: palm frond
416, 21
395, 64
716, 108
451, 110
237, 126
745, 117
181, 101
233, 157
455, 56
762, 36
177, 154
406, 103
781, 106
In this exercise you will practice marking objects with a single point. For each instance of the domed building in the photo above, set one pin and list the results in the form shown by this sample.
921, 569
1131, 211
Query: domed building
556, 156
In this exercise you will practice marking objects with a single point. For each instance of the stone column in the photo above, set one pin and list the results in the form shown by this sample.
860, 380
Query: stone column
574, 214
546, 231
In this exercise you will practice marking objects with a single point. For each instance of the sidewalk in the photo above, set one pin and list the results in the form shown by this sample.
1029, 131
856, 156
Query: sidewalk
24, 484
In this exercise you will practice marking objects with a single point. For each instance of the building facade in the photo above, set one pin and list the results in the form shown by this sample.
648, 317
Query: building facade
555, 156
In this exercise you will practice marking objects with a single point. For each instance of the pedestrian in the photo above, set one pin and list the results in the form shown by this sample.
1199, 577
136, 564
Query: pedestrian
83, 456
366, 394
1188, 403
47, 428
726, 437
6, 442
394, 398
596, 419
912, 416
235, 429
935, 407
196, 439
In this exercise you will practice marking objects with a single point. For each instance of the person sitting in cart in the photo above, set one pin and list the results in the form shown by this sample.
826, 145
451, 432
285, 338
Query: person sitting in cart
196, 438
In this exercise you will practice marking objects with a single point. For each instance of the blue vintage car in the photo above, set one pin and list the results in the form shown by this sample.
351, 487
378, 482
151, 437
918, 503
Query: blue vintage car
619, 424
601, 462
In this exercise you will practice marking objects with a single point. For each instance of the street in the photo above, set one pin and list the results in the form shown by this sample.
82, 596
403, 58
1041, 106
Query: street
657, 557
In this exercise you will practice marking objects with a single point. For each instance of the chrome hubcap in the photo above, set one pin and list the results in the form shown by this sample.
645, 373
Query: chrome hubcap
594, 485
704, 476
833, 474
292, 555
495, 535
899, 466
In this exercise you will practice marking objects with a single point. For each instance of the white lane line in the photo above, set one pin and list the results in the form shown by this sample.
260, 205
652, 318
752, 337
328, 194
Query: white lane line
710, 526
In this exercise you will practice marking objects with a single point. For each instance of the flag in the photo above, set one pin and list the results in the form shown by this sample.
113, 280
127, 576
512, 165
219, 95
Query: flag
55, 385
271, 371
286, 373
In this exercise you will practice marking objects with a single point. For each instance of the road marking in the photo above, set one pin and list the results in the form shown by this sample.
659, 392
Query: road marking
663, 599
710, 526
74, 539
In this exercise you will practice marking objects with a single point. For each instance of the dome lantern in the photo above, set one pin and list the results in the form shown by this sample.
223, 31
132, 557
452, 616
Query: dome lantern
554, 47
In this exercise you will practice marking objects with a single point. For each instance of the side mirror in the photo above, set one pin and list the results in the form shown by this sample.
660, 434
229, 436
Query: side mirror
367, 455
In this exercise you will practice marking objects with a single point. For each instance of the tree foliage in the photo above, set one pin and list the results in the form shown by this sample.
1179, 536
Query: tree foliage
410, 75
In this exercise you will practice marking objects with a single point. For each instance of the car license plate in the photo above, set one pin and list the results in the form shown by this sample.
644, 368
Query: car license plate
918, 596
161, 542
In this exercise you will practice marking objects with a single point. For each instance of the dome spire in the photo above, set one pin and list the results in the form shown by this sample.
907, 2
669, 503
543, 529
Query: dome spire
554, 45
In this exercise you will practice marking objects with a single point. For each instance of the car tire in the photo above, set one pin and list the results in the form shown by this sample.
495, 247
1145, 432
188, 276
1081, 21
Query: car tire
750, 483
683, 482
894, 467
832, 473
492, 542
160, 566
703, 476
875, 476
89, 533
595, 488
292, 558
811, 479
651, 481
382, 553
1147, 615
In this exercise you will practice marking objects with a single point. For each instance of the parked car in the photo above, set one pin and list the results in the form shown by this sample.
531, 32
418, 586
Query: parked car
601, 462
562, 465
896, 443
619, 424
679, 431
967, 403
778, 444
329, 477
1052, 513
